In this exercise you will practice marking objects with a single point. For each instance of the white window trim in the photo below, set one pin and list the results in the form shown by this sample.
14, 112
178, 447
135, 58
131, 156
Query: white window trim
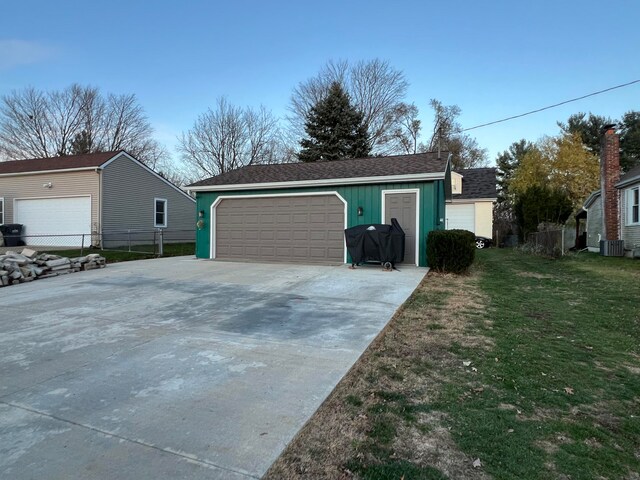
384, 219
630, 205
3, 211
166, 212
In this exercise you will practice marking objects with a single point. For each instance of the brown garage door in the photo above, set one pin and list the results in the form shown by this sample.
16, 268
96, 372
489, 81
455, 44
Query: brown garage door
281, 229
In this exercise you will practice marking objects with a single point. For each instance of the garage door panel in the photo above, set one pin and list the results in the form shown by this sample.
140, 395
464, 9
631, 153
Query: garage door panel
285, 228
283, 235
317, 235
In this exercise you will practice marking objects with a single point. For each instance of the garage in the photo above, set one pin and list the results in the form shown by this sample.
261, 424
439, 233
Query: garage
461, 217
66, 217
279, 228
297, 212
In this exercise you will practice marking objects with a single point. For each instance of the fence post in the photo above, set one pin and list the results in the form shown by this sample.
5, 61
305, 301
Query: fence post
562, 242
129, 239
161, 243
82, 246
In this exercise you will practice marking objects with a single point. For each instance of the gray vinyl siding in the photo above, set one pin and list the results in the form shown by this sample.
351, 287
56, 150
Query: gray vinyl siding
64, 184
594, 223
630, 233
128, 193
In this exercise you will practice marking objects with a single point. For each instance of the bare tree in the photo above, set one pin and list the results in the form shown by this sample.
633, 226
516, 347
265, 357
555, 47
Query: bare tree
76, 119
375, 89
447, 135
39, 124
229, 137
404, 138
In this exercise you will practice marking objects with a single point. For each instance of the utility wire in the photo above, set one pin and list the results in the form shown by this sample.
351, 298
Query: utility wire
552, 106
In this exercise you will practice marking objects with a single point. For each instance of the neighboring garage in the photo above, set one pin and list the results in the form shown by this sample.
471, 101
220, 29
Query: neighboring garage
471, 204
298, 212
461, 216
54, 216
92, 199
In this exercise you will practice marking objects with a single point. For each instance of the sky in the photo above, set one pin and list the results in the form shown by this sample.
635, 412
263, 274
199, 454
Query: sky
493, 59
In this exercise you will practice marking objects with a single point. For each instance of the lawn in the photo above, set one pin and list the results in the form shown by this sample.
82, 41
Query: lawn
140, 252
529, 367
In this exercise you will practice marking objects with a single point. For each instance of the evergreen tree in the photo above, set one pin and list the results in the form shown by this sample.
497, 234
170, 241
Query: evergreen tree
541, 204
335, 129
589, 127
507, 162
82, 143
630, 140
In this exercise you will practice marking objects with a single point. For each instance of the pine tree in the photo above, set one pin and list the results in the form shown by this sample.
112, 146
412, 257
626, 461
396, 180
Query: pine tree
335, 129
82, 143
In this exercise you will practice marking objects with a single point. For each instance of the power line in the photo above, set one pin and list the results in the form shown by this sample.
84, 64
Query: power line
552, 106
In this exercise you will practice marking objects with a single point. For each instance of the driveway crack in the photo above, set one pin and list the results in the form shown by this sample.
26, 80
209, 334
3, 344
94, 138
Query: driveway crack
185, 456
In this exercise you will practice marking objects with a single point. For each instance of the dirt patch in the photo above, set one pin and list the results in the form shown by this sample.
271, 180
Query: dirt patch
376, 413
539, 276
633, 369
592, 443
438, 450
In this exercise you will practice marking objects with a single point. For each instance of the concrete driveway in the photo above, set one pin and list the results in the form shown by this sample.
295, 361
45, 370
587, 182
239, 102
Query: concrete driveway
178, 368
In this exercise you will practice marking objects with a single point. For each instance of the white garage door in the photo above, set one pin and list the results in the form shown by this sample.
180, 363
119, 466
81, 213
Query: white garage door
65, 219
461, 217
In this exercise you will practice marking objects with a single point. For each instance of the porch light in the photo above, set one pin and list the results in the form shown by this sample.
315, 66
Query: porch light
360, 211
201, 214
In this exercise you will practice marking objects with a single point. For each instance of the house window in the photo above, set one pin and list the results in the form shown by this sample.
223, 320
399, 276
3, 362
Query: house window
1, 210
160, 212
634, 206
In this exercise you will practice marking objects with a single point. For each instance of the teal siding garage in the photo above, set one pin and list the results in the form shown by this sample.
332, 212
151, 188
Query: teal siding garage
297, 212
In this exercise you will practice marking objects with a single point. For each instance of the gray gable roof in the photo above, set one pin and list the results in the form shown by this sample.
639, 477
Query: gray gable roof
420, 163
632, 176
477, 183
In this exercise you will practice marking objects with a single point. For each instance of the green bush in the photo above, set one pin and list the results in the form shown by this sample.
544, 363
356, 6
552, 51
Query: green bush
451, 251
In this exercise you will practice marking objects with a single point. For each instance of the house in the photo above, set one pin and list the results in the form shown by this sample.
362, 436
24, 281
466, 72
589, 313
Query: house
614, 215
92, 195
471, 205
297, 212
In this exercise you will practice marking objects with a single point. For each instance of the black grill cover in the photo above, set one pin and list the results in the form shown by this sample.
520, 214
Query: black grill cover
382, 243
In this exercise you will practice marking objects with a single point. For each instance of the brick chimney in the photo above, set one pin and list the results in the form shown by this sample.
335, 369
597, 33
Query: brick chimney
609, 176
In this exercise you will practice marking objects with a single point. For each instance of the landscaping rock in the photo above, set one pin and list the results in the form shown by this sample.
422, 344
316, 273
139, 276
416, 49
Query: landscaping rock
30, 265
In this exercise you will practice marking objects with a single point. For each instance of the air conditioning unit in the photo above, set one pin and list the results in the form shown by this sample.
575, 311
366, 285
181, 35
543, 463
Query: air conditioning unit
612, 248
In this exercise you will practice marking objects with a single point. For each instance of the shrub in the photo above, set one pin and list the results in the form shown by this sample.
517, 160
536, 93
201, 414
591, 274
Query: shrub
451, 250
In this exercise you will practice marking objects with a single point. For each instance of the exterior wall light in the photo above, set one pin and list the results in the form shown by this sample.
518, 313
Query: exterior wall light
360, 211
201, 214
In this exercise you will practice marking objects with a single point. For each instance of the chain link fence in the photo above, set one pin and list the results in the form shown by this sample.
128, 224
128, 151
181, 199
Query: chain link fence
554, 243
152, 242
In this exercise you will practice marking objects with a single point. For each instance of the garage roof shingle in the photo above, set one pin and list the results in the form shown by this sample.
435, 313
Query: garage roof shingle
477, 183
338, 169
56, 163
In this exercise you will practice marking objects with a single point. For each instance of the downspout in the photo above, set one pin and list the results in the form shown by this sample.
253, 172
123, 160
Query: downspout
99, 228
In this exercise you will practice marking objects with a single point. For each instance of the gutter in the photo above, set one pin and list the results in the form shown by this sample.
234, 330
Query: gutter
41, 172
629, 181
317, 183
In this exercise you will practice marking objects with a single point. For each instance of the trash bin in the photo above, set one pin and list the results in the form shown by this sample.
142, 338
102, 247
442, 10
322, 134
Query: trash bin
376, 243
12, 235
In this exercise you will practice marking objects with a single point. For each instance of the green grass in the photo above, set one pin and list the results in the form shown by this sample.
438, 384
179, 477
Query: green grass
573, 324
531, 365
142, 252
